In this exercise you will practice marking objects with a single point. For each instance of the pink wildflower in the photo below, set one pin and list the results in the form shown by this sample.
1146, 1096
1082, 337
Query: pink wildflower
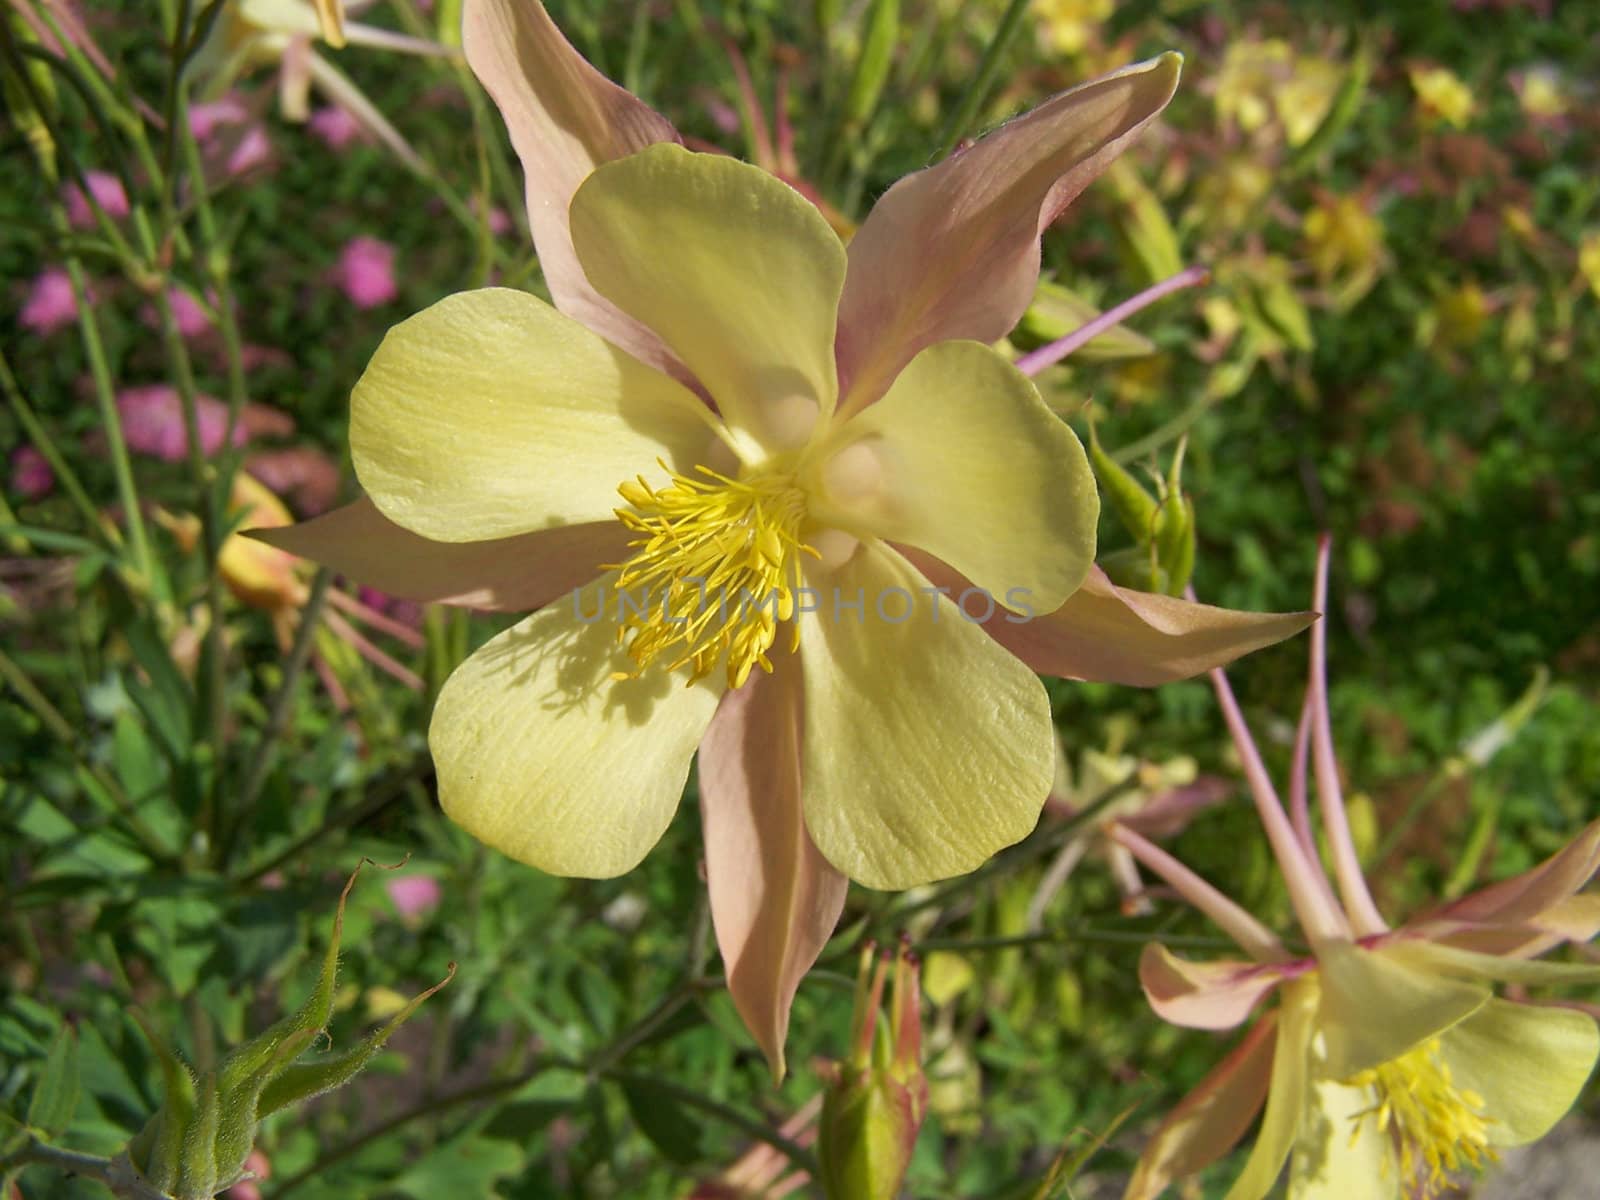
254, 149
107, 192
365, 272
206, 119
336, 126
31, 476
50, 304
152, 422
413, 895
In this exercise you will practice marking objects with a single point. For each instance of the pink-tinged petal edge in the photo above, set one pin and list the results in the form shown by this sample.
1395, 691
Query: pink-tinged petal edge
565, 119
1210, 1120
1524, 898
1111, 634
774, 898
953, 251
1205, 995
512, 574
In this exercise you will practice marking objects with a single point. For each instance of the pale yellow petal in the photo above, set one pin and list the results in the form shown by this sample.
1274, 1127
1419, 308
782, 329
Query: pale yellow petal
1528, 1063
1376, 1005
963, 460
1332, 1159
1286, 1095
927, 746
490, 414
513, 574
565, 119
774, 898
953, 251
1464, 963
546, 758
1211, 1119
737, 272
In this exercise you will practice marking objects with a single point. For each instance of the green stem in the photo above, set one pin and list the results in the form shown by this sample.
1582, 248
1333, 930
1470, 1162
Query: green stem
255, 775
110, 419
46, 446
983, 83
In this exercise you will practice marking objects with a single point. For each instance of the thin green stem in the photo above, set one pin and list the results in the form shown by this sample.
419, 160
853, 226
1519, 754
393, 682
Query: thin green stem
42, 441
255, 775
983, 83
110, 419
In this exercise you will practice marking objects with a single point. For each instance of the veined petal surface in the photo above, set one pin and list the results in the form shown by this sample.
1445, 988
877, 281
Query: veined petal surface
927, 746
1332, 1160
565, 119
512, 574
1528, 1062
953, 251
774, 898
542, 755
738, 273
1376, 1006
973, 468
490, 414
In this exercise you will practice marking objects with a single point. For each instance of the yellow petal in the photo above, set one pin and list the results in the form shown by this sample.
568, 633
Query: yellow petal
490, 414
513, 574
1527, 1062
544, 757
927, 746
1286, 1095
738, 273
1328, 1163
970, 465
953, 251
1207, 1122
1463, 963
774, 898
565, 119
1377, 1005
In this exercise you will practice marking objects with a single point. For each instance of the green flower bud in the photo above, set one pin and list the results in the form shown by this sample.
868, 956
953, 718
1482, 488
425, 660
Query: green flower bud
197, 1142
1162, 525
875, 1105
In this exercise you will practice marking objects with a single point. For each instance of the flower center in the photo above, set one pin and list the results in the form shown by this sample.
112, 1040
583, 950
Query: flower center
714, 569
1437, 1127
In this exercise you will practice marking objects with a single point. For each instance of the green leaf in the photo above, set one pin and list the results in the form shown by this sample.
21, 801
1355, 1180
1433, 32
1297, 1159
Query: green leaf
467, 1166
661, 1118
55, 1096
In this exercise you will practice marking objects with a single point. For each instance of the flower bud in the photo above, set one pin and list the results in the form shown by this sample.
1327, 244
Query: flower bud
875, 1105
200, 1139
1163, 527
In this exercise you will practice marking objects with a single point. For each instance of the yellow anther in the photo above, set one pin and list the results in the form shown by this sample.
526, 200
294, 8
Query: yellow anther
1437, 1128
713, 572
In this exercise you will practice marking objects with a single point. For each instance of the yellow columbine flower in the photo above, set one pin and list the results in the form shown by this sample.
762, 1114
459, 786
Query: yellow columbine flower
762, 491
1388, 1066
282, 33
1442, 95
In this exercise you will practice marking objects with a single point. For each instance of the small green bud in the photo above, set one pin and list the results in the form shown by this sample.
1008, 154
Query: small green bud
197, 1142
878, 1098
1162, 525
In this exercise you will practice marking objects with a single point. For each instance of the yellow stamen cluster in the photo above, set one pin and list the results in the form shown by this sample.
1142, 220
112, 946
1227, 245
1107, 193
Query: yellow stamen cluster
1437, 1128
713, 572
